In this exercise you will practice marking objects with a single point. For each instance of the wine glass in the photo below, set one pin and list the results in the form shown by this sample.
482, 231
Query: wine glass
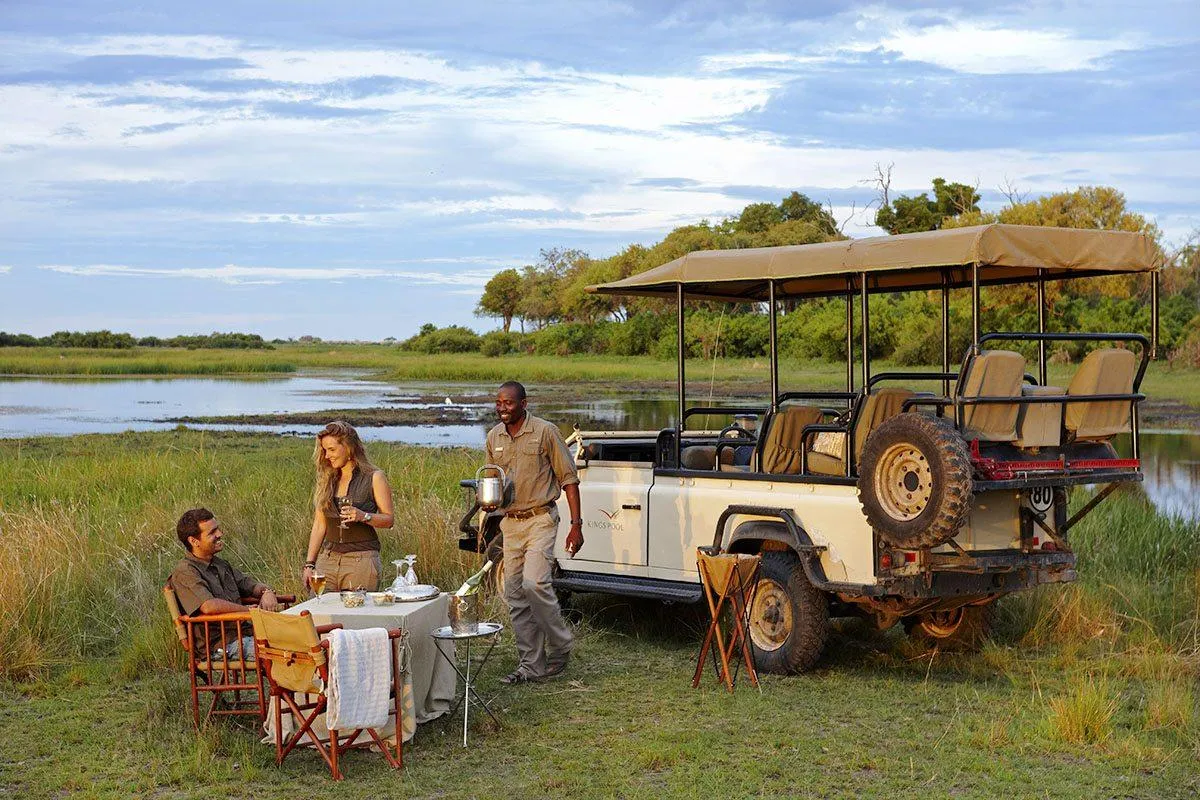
343, 503
399, 583
318, 584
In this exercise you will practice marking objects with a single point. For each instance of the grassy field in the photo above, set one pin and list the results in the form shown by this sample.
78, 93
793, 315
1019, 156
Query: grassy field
1087, 691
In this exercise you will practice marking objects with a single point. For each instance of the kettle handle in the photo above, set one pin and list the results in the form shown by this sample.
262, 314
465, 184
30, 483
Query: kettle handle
503, 477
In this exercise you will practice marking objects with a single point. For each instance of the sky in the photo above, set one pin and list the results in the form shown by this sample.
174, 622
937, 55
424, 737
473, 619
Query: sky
354, 170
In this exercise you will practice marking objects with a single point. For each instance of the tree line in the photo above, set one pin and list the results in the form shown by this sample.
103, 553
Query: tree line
107, 340
553, 313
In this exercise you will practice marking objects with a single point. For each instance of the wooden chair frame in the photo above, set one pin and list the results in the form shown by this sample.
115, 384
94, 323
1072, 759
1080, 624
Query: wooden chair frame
217, 677
306, 712
736, 597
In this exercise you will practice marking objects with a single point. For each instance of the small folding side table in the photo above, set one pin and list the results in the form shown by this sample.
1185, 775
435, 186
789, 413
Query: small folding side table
491, 631
729, 581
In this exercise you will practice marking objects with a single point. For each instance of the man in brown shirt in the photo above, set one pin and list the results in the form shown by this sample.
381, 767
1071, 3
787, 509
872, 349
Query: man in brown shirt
534, 457
206, 584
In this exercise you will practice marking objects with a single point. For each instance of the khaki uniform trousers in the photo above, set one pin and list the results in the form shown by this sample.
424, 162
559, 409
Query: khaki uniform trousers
541, 632
357, 570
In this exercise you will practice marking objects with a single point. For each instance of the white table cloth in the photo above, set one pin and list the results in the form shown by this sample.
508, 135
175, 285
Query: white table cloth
430, 683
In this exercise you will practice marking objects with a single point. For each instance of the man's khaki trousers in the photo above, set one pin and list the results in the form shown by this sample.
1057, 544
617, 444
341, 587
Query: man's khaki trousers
541, 632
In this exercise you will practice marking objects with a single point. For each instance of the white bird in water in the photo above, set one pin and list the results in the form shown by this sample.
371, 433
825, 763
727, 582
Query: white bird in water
448, 402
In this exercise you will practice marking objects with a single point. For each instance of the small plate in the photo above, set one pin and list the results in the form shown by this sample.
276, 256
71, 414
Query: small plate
421, 591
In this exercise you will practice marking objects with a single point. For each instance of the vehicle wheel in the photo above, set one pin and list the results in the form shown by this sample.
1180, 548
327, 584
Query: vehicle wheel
962, 630
789, 619
914, 481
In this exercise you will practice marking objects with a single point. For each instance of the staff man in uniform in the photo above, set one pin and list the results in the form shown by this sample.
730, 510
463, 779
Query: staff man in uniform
534, 457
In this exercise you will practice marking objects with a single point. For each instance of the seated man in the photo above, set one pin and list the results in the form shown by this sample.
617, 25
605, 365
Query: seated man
206, 584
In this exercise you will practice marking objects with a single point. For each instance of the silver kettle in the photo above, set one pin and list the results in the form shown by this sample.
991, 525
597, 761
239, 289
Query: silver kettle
489, 492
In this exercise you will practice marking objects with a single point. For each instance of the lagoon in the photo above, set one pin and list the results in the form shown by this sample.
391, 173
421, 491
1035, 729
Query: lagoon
65, 407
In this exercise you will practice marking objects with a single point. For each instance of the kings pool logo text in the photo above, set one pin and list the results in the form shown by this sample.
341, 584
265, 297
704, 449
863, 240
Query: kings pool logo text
606, 524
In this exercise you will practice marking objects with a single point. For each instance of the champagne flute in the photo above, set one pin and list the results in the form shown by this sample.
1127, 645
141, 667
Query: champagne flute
318, 584
343, 504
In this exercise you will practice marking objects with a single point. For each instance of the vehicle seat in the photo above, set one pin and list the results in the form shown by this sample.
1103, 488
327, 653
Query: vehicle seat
1107, 371
704, 456
880, 405
781, 448
992, 373
1040, 424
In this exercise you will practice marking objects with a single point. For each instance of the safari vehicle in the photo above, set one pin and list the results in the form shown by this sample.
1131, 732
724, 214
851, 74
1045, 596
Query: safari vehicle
909, 497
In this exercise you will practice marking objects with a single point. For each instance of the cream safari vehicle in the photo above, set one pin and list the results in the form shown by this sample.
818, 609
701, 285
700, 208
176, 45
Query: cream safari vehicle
911, 497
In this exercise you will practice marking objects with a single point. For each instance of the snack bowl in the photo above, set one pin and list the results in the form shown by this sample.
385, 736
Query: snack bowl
381, 598
351, 599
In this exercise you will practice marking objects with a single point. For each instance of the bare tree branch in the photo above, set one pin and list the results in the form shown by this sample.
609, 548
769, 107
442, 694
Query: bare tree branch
1010, 191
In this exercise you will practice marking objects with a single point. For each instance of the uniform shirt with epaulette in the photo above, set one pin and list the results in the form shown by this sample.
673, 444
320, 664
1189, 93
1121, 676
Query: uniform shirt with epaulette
536, 462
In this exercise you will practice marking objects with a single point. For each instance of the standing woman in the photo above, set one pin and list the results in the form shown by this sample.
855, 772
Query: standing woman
352, 499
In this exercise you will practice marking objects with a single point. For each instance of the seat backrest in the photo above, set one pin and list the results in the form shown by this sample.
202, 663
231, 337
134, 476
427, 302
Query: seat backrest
781, 448
289, 642
1107, 371
879, 405
176, 612
992, 373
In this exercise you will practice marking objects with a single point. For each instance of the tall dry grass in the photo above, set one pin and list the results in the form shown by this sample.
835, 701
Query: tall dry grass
87, 533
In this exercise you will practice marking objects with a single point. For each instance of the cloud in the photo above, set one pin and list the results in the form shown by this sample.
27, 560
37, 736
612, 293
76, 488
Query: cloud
5, 270
239, 275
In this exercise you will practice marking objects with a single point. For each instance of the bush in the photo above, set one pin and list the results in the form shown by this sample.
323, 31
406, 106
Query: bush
451, 339
499, 343
565, 339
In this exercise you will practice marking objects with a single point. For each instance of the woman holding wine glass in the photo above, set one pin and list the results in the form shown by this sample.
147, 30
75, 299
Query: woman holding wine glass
351, 501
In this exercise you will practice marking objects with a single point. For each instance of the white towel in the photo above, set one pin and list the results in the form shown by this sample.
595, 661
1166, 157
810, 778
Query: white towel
360, 675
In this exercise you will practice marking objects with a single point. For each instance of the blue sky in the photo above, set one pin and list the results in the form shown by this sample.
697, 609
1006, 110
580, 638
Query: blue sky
354, 170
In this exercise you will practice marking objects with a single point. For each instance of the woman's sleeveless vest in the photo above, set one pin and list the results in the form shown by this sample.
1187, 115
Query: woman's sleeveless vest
357, 536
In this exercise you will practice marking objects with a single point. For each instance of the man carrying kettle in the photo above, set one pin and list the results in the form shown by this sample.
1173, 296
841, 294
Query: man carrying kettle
533, 455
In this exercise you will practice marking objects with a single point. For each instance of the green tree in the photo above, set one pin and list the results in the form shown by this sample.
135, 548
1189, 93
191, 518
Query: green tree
758, 217
908, 214
501, 297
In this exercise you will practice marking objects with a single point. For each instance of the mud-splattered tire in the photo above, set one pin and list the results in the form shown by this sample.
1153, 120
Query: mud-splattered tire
789, 620
961, 630
914, 481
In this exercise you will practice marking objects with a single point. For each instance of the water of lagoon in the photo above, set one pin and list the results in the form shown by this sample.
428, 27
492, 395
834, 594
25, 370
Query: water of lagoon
64, 407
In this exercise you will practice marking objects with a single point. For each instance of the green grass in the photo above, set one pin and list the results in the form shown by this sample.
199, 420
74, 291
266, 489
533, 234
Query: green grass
1085, 692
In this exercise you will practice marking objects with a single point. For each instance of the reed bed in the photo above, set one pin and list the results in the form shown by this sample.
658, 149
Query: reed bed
87, 531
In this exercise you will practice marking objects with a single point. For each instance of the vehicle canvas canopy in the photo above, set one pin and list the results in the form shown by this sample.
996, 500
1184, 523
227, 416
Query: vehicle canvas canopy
932, 260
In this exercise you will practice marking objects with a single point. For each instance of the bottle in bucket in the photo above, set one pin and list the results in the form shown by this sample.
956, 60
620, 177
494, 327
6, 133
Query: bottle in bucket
464, 613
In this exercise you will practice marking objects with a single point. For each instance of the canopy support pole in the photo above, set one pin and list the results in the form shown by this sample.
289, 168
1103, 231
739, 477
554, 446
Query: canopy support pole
680, 344
975, 306
849, 337
866, 325
1154, 314
774, 333
945, 330
1041, 301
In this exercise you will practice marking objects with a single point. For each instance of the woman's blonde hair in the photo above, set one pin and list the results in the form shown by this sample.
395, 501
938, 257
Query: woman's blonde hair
327, 476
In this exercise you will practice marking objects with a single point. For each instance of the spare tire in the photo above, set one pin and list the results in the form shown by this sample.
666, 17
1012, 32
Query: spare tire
914, 481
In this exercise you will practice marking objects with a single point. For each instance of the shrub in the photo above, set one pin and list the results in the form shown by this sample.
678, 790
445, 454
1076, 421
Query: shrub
499, 343
451, 339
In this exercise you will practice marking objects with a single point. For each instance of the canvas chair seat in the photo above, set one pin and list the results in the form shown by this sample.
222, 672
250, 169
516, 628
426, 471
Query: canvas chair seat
782, 447
729, 580
1106, 371
878, 406
296, 663
992, 373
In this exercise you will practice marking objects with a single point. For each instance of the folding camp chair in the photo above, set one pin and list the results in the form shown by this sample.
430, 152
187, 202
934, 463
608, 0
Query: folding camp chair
234, 683
296, 663
729, 581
